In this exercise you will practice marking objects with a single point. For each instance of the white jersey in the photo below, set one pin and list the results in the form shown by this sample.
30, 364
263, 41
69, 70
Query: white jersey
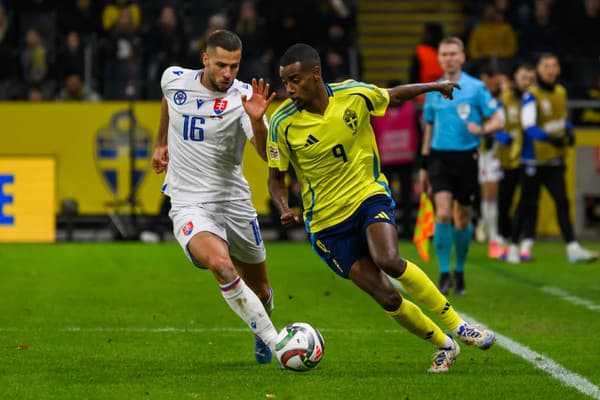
206, 138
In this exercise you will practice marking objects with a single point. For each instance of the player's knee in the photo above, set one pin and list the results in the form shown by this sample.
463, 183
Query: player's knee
443, 216
390, 301
222, 268
390, 262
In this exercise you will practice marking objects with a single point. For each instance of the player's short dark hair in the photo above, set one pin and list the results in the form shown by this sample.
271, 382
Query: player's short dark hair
225, 39
546, 55
300, 52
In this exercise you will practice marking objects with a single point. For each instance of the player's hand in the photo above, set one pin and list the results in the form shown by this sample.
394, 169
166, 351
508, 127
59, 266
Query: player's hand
260, 100
289, 219
424, 186
446, 87
556, 141
474, 128
160, 159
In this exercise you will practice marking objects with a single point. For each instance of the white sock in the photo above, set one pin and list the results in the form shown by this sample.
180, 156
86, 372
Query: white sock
269, 303
489, 211
526, 244
572, 246
248, 307
460, 328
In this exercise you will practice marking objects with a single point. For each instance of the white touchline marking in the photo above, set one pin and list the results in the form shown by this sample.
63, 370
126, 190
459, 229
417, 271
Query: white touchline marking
539, 360
544, 363
570, 298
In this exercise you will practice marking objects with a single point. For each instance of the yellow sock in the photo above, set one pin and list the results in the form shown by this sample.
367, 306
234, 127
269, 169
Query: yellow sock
418, 285
412, 318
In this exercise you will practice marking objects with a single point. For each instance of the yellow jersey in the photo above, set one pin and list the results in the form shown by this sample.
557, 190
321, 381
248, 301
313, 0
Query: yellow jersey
334, 155
510, 155
546, 108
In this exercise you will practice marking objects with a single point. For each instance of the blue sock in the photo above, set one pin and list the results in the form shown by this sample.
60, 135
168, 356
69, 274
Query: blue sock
442, 239
462, 241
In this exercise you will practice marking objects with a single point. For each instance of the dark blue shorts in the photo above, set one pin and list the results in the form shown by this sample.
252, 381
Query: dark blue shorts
341, 245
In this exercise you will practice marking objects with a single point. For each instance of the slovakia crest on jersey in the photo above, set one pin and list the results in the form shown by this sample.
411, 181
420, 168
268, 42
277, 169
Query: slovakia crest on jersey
219, 106
188, 228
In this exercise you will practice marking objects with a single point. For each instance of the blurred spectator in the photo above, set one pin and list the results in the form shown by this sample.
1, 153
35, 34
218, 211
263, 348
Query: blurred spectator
75, 90
338, 55
198, 45
121, 53
584, 44
257, 56
289, 23
34, 65
165, 45
35, 93
337, 12
493, 38
584, 33
70, 58
424, 66
112, 14
591, 115
81, 16
541, 35
8, 55
397, 136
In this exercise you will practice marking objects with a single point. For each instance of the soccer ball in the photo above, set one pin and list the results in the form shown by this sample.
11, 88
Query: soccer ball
299, 347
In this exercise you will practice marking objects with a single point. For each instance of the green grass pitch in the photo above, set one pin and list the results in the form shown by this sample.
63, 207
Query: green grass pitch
135, 321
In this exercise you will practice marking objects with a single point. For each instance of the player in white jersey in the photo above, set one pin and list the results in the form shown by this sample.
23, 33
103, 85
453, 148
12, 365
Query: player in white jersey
206, 118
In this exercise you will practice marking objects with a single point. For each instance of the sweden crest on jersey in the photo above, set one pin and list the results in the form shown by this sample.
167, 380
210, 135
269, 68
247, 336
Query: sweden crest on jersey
351, 119
112, 153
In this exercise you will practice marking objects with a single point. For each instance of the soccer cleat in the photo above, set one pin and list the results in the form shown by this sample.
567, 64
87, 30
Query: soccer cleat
445, 283
262, 353
476, 336
513, 255
444, 357
577, 254
459, 283
504, 254
526, 256
494, 250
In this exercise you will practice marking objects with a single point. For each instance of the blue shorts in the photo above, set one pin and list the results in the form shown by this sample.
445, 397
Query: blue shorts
341, 245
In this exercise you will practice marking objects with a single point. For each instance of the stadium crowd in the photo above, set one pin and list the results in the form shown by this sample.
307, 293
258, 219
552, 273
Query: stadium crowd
117, 49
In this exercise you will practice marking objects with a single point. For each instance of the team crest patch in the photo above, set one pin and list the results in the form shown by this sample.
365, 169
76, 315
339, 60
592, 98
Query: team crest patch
179, 97
188, 228
351, 119
274, 152
219, 106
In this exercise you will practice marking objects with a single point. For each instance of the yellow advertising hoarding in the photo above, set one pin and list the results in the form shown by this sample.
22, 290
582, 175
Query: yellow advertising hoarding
27, 195
90, 144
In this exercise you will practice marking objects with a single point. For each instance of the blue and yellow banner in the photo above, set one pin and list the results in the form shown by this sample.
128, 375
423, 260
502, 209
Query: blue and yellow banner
27, 195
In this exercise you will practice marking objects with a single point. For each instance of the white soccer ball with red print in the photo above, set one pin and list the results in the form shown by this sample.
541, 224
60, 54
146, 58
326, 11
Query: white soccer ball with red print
299, 347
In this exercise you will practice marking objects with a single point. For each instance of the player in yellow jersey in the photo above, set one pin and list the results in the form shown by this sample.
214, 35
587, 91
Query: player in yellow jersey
324, 132
509, 151
547, 134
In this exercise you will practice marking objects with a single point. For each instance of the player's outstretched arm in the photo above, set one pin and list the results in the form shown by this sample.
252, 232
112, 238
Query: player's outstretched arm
160, 158
401, 93
256, 107
279, 194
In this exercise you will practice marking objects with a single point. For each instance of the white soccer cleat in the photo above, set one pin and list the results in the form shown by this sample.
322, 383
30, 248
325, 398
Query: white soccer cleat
513, 255
477, 336
444, 357
577, 254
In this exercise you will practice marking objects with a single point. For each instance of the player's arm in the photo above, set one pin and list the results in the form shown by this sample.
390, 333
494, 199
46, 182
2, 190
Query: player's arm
401, 93
279, 195
493, 124
529, 121
256, 107
160, 158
